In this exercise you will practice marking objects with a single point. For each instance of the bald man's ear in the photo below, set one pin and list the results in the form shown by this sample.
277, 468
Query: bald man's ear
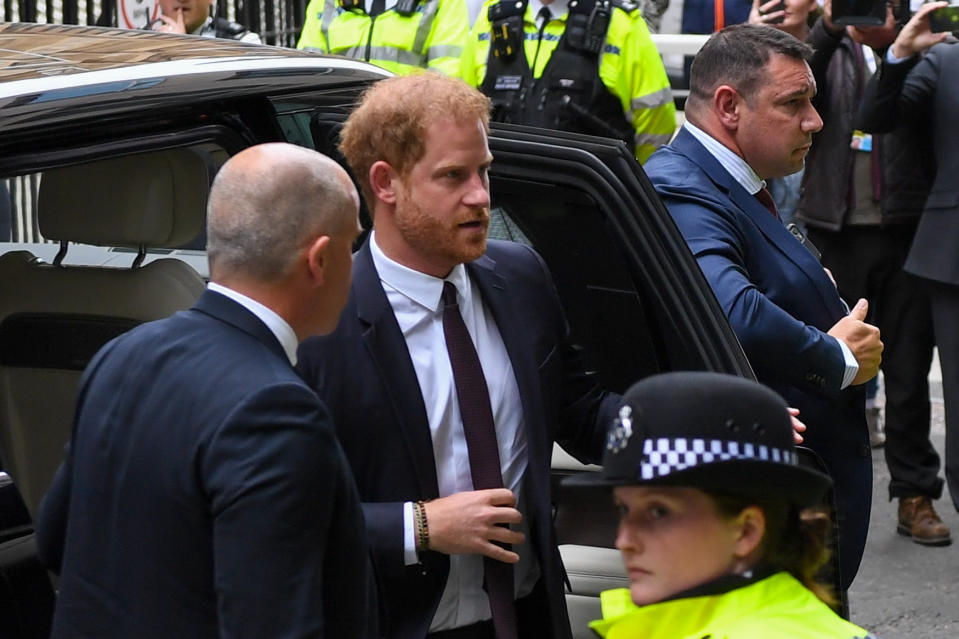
316, 259
383, 181
727, 105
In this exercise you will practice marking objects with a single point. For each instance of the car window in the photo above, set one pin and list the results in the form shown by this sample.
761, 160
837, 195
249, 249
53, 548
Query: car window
604, 309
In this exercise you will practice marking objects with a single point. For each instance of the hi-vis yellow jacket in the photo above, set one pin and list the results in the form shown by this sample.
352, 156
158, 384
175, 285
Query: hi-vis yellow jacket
431, 37
630, 66
777, 607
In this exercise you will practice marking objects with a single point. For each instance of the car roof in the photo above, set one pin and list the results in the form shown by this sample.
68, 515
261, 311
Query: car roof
76, 70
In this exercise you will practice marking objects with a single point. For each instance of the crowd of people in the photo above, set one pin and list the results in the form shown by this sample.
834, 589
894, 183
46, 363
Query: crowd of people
361, 447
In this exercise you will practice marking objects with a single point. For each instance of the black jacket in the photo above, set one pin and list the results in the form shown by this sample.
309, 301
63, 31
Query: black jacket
905, 151
911, 92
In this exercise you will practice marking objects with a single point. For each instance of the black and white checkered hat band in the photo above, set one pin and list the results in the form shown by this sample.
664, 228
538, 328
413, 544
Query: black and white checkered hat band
668, 455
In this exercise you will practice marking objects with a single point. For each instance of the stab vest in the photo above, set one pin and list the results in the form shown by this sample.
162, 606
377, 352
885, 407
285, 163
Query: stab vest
570, 95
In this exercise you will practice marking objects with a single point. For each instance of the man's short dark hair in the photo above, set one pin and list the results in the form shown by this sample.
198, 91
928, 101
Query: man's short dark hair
737, 56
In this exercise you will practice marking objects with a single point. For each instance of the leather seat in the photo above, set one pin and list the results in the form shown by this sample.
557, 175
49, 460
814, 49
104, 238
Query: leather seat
54, 317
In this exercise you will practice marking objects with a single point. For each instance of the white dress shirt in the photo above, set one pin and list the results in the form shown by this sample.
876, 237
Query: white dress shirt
277, 325
416, 299
747, 178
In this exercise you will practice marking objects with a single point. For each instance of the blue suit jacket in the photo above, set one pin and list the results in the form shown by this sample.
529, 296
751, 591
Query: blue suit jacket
781, 303
204, 493
364, 372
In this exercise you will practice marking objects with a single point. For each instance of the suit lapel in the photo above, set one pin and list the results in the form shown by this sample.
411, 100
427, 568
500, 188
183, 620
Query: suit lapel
387, 349
224, 309
769, 226
506, 306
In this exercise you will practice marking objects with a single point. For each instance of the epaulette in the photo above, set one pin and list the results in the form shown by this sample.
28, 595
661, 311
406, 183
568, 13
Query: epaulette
626, 5
227, 28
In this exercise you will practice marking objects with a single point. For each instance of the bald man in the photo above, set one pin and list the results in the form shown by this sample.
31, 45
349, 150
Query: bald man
204, 493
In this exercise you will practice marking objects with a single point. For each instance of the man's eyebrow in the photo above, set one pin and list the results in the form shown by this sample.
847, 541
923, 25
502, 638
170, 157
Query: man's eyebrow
798, 93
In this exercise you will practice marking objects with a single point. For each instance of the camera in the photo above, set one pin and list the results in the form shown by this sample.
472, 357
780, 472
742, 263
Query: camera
859, 13
944, 19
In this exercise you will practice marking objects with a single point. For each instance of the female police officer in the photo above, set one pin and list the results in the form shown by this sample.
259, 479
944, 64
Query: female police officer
713, 532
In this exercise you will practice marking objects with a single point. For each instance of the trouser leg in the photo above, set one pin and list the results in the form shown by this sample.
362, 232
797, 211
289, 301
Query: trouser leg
945, 316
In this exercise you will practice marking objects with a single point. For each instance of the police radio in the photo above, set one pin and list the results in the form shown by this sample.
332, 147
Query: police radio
587, 24
506, 28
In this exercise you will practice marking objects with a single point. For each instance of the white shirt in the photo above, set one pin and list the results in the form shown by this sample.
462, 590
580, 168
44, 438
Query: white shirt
416, 299
277, 325
747, 178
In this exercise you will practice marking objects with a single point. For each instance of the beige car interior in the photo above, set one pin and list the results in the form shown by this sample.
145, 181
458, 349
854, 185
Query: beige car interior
54, 316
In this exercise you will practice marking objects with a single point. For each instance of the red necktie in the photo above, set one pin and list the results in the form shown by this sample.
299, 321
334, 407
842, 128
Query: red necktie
478, 427
767, 200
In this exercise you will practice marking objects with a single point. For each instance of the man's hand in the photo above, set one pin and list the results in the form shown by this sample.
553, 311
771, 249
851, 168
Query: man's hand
172, 25
862, 339
762, 12
798, 426
916, 36
468, 523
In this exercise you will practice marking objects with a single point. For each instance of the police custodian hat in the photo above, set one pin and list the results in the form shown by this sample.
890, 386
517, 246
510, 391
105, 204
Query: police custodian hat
711, 431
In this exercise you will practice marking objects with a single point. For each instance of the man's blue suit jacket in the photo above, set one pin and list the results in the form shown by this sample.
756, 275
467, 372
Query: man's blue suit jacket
780, 302
364, 373
204, 493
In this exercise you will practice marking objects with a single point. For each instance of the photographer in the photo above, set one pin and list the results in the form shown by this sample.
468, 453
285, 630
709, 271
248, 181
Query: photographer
909, 89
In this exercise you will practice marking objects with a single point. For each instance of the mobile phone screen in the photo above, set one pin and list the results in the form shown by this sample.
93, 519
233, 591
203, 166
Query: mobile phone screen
944, 19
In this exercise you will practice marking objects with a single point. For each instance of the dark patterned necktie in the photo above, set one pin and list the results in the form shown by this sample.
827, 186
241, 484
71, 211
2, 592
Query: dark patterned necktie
377, 7
767, 200
480, 432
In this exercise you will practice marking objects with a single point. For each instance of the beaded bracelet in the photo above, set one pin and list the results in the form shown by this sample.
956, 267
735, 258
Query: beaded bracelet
422, 526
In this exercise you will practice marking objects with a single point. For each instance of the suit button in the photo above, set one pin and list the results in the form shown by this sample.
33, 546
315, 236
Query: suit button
864, 450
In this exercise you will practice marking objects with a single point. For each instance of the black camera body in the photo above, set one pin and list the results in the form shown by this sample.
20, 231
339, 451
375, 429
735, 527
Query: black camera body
859, 13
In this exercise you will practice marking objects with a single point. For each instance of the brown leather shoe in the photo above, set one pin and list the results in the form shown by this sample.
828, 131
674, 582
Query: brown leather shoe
919, 520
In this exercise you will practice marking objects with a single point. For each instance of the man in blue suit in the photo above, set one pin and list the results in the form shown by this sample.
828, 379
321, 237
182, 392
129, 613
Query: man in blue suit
749, 118
405, 416
204, 493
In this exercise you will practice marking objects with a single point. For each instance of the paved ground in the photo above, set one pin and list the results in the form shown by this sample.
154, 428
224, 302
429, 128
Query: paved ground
904, 590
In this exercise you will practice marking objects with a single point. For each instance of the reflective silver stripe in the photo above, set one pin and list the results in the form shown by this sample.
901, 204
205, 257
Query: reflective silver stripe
426, 24
444, 51
651, 100
393, 55
329, 12
652, 139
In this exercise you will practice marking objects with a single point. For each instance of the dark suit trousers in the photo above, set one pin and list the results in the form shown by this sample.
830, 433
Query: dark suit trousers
945, 316
867, 262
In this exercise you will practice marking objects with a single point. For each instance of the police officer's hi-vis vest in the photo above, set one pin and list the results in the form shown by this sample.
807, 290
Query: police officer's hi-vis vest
592, 71
413, 34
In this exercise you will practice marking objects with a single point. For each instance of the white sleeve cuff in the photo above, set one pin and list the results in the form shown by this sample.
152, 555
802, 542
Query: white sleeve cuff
410, 555
891, 59
852, 366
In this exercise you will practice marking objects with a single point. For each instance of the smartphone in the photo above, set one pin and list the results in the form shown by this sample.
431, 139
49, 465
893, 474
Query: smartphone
859, 13
779, 6
944, 19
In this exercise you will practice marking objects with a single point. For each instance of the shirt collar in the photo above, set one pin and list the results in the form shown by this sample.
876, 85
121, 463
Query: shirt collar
420, 288
277, 325
558, 8
737, 167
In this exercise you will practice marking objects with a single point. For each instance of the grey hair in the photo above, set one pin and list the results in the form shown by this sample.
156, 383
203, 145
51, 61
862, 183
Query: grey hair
737, 56
260, 213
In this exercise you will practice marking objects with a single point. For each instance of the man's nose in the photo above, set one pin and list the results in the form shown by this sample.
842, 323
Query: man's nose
478, 193
811, 123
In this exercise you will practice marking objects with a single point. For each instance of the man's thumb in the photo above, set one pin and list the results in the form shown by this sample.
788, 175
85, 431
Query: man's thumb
860, 310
